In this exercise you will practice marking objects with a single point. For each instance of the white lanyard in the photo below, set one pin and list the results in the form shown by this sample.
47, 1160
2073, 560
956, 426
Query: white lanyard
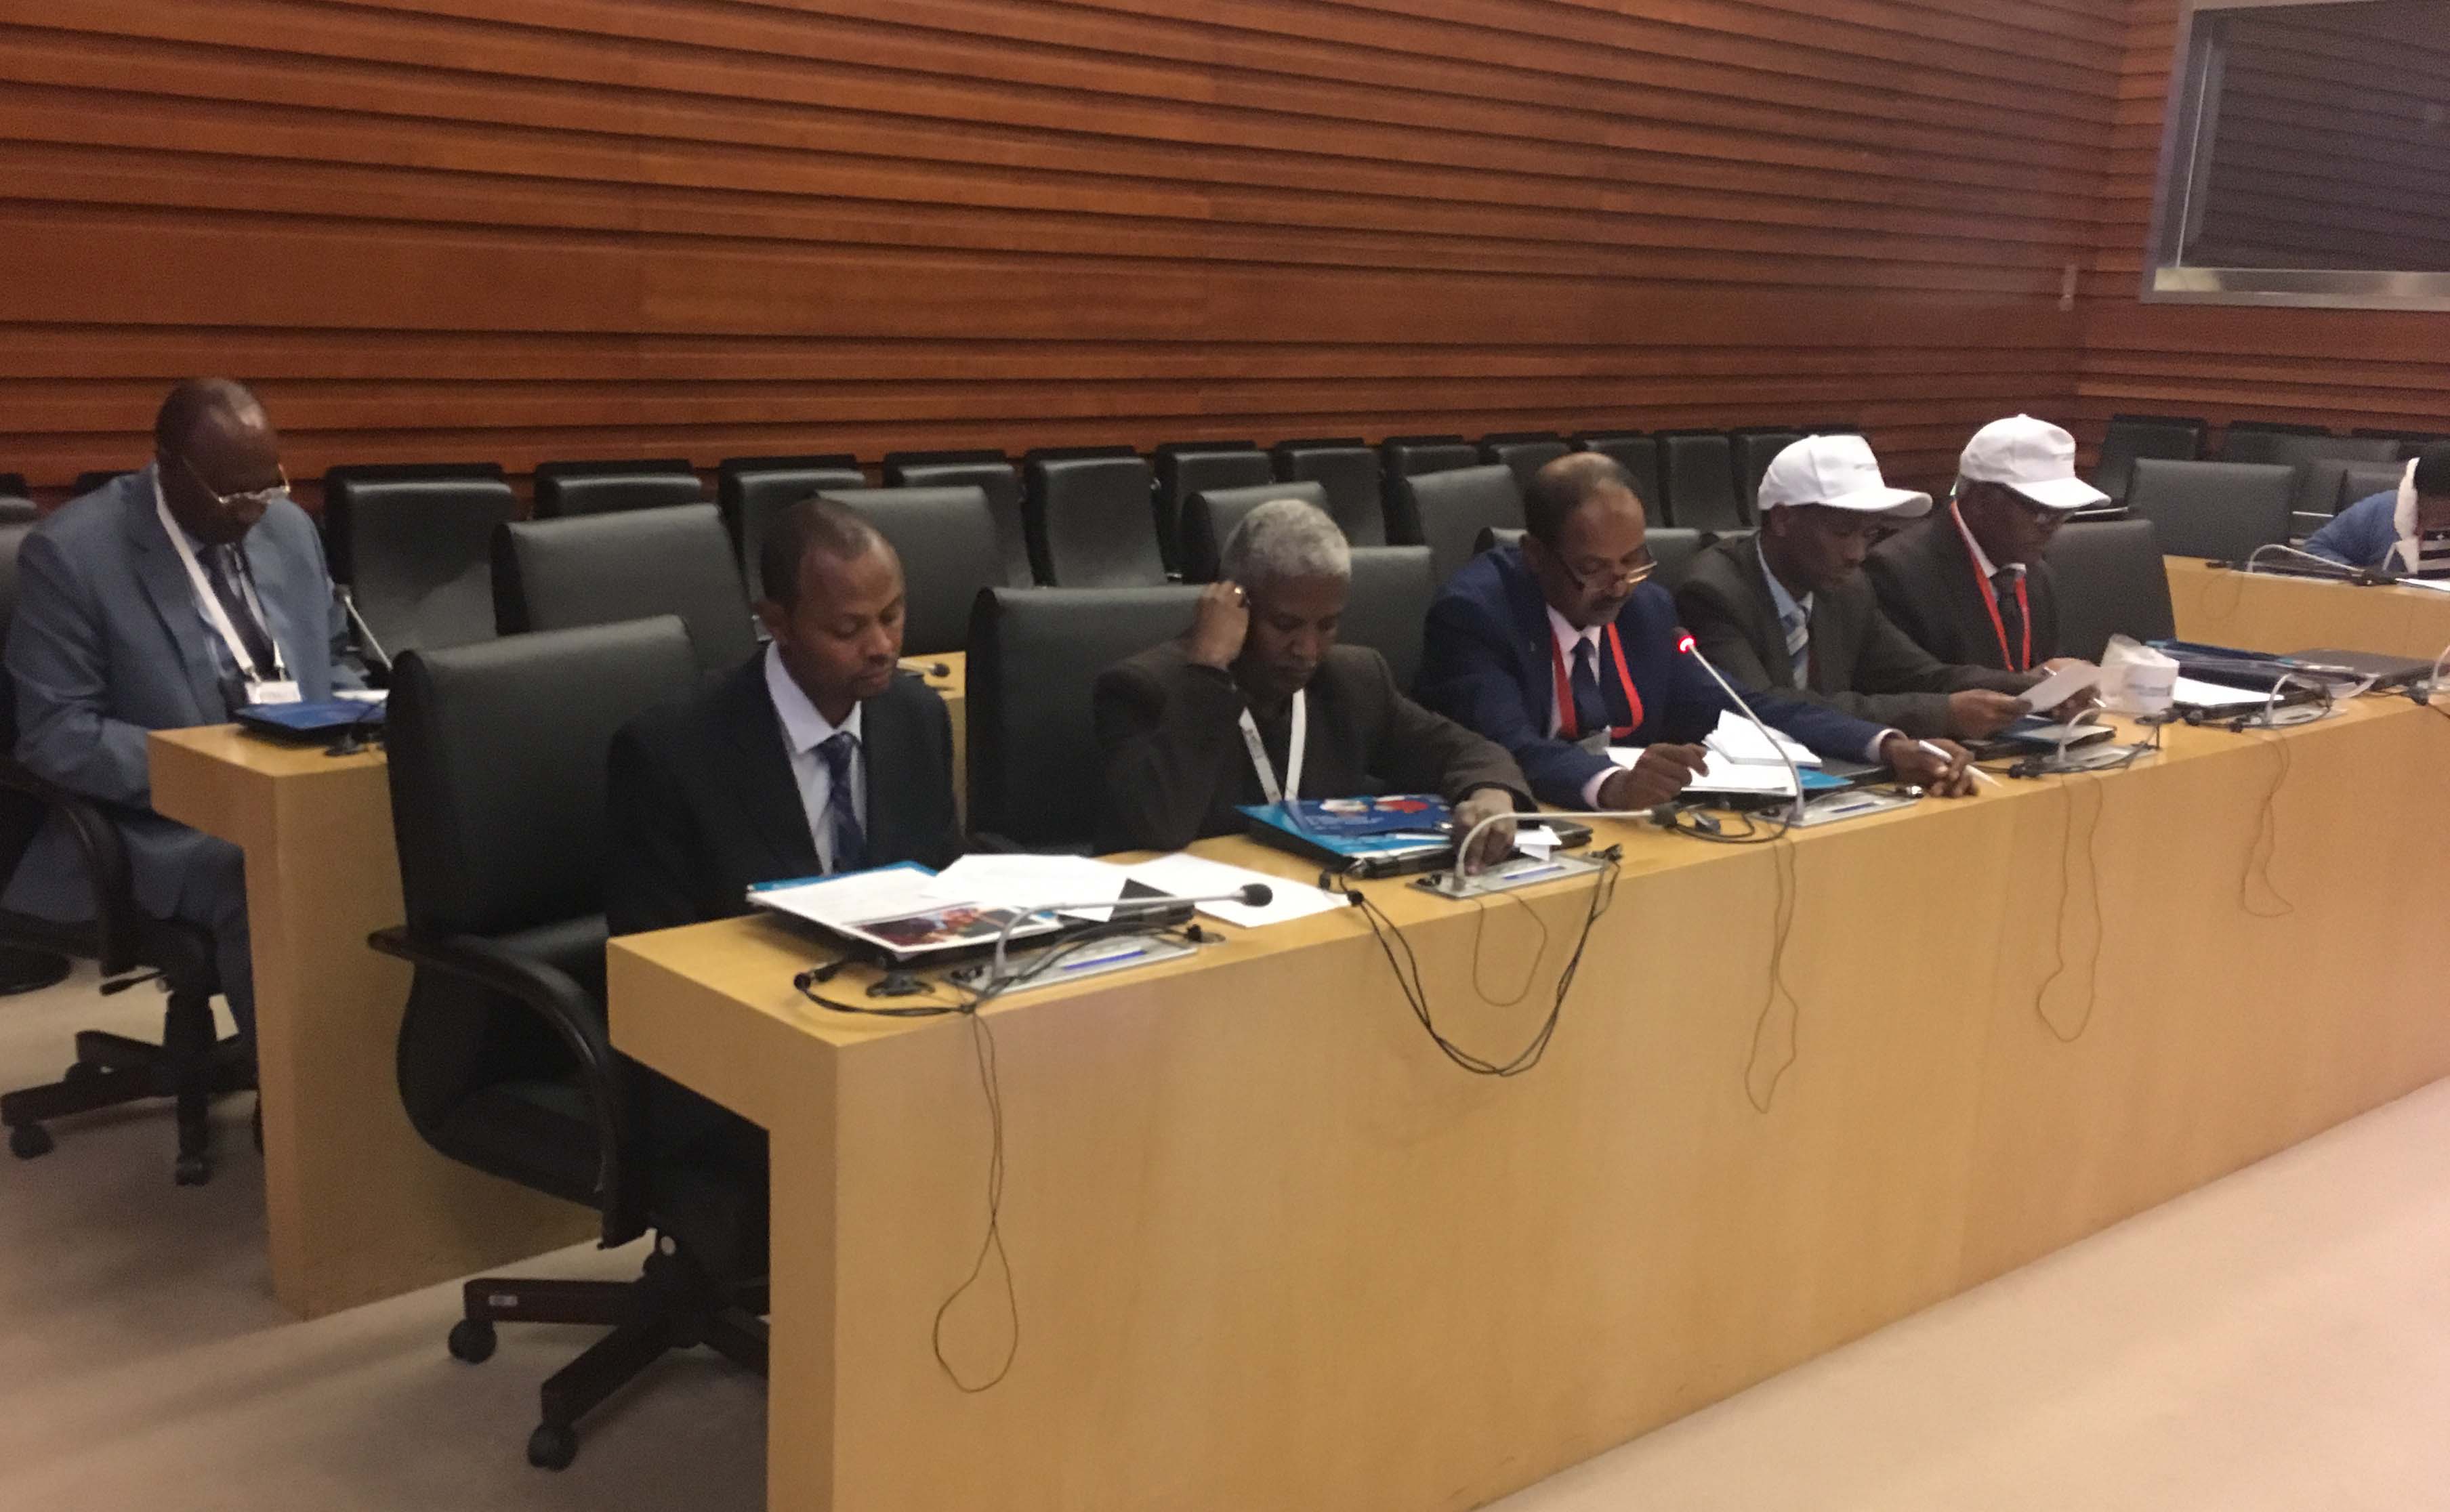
211, 601
1266, 769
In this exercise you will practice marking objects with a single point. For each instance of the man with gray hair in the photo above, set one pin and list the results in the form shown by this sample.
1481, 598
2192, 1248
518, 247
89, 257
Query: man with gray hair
1256, 703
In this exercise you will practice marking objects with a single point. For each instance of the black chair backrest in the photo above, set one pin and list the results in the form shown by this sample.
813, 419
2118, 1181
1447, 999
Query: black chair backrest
1403, 455
1389, 609
1209, 517
1494, 536
751, 496
1448, 510
1349, 471
1090, 521
1697, 476
341, 482
1033, 662
990, 471
1526, 453
86, 482
567, 488
1184, 467
601, 569
2220, 510
16, 508
2259, 441
1638, 453
2322, 461
2110, 581
2360, 481
2175, 438
1755, 452
497, 770
946, 541
418, 555
1674, 549
13, 485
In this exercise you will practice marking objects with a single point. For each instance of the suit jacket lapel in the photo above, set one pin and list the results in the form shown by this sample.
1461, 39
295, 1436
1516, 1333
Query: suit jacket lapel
765, 788
1767, 631
1530, 614
173, 597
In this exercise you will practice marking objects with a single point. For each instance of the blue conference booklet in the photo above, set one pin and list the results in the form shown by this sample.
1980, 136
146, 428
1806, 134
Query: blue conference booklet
1404, 824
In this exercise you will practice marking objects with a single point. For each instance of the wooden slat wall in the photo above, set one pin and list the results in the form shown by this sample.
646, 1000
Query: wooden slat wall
518, 229
2341, 368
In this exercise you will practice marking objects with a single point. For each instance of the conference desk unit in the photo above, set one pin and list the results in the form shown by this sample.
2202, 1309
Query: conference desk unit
2270, 611
1270, 1247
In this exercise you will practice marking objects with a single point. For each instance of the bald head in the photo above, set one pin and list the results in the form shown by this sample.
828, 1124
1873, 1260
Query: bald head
1570, 482
218, 456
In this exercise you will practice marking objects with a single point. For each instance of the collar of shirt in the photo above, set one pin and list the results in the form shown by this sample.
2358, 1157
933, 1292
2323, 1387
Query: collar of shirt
1784, 602
1566, 635
803, 729
1981, 558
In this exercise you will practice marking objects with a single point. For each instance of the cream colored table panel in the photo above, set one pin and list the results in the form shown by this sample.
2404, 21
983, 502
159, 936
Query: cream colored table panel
2265, 611
358, 1207
1269, 1248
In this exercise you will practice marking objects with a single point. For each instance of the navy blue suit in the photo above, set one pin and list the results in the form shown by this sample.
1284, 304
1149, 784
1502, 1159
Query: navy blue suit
1488, 666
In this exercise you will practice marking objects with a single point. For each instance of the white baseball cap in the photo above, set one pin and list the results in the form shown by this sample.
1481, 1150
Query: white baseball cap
1838, 473
2032, 456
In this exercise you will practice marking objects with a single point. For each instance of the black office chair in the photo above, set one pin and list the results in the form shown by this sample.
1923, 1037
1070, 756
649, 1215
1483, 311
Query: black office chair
1493, 537
1090, 522
1525, 451
1637, 452
1447, 511
13, 485
751, 491
1697, 481
417, 556
86, 482
1755, 450
1403, 455
599, 570
18, 510
1210, 515
1350, 472
1035, 657
2128, 438
2322, 463
990, 471
497, 791
1388, 608
1184, 467
2220, 510
2360, 481
2261, 441
564, 490
946, 541
2110, 581
190, 1066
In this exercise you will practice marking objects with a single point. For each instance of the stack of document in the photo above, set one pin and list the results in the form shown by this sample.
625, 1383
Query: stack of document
1744, 764
1737, 739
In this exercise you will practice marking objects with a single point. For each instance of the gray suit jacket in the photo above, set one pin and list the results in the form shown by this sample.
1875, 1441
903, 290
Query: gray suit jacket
107, 643
1861, 663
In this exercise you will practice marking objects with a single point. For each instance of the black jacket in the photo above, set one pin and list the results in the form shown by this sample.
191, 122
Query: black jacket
704, 802
1861, 663
1176, 765
1926, 582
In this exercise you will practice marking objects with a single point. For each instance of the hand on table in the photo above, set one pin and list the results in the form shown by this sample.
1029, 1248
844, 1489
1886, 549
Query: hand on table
1497, 839
1224, 620
1942, 777
1978, 713
1662, 773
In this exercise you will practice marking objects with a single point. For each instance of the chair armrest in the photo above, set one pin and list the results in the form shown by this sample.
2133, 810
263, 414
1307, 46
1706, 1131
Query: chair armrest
575, 1017
105, 861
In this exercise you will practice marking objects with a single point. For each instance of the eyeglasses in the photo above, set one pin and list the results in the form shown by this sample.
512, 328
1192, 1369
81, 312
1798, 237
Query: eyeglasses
1611, 577
263, 497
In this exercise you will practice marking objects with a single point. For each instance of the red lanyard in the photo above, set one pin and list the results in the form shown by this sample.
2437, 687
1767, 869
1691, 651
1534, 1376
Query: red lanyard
1991, 602
1567, 726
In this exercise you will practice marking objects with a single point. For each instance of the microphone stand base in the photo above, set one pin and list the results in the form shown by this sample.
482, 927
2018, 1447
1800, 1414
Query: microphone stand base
1523, 871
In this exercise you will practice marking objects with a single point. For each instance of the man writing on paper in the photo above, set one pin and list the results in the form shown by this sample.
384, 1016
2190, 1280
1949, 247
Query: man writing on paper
815, 756
167, 598
1561, 647
2407, 528
1258, 704
1790, 612
1969, 585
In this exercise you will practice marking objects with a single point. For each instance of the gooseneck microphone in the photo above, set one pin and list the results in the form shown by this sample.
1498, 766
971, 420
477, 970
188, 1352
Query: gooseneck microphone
1684, 643
1250, 895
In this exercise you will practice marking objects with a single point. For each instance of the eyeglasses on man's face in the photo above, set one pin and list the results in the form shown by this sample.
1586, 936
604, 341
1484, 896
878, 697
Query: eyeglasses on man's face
260, 499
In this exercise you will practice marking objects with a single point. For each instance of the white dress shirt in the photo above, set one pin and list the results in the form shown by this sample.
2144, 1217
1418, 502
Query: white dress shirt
1981, 557
803, 731
1786, 603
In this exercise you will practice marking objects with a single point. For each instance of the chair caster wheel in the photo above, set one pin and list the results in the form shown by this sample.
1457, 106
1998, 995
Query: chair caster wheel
551, 1448
471, 1339
79, 1071
192, 1170
27, 1140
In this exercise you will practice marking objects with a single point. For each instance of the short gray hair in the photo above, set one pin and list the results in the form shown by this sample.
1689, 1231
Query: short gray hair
1285, 538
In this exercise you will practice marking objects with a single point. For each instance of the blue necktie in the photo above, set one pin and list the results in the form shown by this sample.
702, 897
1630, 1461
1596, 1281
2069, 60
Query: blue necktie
842, 810
1591, 707
1798, 643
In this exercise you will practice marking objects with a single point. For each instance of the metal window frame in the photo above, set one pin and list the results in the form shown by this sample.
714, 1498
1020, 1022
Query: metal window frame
2189, 120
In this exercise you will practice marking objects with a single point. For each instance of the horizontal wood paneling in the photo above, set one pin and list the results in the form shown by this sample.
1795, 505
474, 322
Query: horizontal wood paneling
515, 229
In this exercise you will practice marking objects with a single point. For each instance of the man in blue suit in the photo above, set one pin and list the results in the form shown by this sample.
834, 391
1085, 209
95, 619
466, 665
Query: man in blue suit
1561, 646
124, 627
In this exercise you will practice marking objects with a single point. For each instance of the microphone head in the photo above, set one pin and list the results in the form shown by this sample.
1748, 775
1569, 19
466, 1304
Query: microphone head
1683, 642
1257, 894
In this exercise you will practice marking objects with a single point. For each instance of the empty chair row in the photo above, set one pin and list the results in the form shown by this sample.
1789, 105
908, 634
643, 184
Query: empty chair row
2316, 455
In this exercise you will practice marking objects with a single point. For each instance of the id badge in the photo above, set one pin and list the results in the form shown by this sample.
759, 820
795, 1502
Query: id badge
272, 692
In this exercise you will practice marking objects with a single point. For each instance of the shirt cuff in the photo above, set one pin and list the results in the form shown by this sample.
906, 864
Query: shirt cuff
1872, 752
1591, 789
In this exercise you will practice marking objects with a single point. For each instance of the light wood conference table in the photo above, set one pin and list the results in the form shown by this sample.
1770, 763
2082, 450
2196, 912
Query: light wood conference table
2274, 613
1269, 1248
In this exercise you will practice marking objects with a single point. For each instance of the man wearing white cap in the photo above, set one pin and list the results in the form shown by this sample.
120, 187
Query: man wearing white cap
1968, 584
1788, 610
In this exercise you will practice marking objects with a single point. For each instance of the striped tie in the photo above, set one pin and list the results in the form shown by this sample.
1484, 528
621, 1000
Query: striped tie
850, 842
1798, 643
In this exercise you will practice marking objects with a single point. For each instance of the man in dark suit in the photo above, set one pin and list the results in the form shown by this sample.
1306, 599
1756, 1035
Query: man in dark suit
167, 598
814, 756
1257, 702
1561, 646
1789, 610
1968, 584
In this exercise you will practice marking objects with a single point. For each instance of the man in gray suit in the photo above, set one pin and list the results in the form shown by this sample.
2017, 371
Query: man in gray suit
1789, 608
123, 627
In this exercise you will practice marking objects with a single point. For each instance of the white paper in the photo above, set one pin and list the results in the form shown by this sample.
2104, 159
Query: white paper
1185, 875
1739, 739
363, 695
2437, 585
2217, 695
1029, 882
1535, 839
855, 897
1722, 775
2061, 686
